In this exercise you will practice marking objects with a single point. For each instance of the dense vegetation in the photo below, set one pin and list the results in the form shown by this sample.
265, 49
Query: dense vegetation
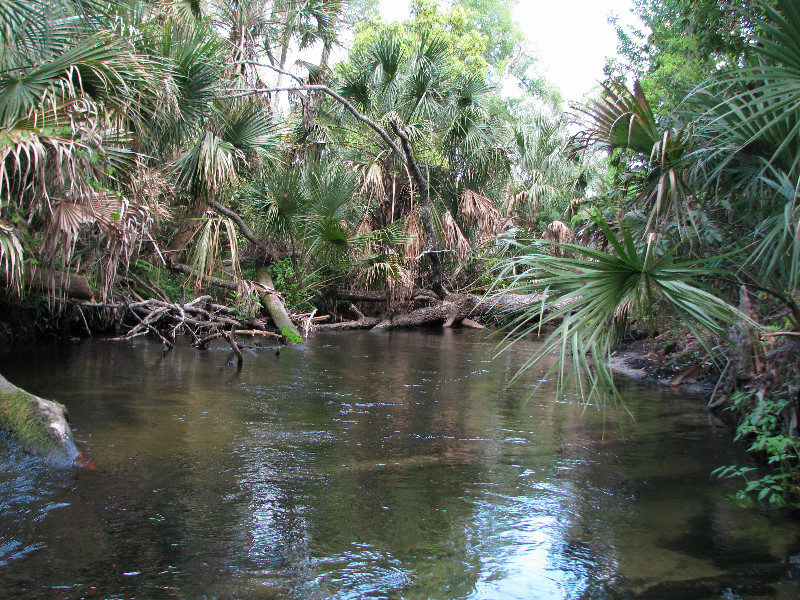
141, 141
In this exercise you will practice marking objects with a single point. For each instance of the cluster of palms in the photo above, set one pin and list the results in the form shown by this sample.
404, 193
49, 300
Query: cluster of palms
116, 117
702, 224
136, 127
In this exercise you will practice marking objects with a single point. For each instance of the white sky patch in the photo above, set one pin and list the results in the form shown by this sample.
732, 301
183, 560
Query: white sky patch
571, 38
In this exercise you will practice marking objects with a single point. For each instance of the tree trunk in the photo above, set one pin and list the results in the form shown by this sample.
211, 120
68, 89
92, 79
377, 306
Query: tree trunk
431, 247
447, 313
69, 285
274, 304
39, 426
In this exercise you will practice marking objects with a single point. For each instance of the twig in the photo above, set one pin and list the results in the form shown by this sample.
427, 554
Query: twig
85, 324
235, 348
309, 324
166, 342
711, 404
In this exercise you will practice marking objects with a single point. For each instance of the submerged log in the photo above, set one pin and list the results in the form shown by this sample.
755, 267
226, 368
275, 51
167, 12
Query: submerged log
39, 426
450, 312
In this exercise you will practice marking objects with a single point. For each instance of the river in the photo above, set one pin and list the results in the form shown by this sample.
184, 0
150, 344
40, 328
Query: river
401, 464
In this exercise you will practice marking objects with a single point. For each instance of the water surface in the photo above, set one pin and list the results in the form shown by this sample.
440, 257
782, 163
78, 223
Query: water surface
395, 465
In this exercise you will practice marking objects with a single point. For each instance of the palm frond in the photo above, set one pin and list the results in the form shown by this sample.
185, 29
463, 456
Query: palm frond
623, 119
11, 257
582, 295
209, 245
208, 167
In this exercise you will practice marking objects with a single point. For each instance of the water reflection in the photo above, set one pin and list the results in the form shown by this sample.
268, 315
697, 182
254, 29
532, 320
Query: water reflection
396, 465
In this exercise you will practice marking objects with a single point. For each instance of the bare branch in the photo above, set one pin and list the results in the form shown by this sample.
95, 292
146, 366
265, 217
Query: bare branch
239, 221
240, 93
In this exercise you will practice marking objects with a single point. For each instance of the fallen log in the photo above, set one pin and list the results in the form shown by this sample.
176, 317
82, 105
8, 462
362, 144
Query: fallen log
39, 426
202, 343
382, 296
274, 305
235, 348
68, 285
450, 312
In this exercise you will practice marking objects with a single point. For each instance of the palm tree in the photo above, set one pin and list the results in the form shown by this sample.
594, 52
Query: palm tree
66, 110
438, 122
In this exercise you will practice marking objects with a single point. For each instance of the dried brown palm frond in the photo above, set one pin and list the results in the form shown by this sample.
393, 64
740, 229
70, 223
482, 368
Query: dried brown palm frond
116, 223
575, 207
513, 202
622, 314
454, 239
387, 274
149, 187
372, 186
400, 285
558, 232
209, 245
479, 211
415, 238
364, 227
37, 159
11, 258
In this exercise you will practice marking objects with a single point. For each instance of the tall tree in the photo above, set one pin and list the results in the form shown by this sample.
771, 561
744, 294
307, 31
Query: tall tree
688, 41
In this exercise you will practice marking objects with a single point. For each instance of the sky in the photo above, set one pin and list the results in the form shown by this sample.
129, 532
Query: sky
571, 38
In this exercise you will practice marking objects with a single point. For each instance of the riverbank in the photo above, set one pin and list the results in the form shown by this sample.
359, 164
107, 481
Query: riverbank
667, 362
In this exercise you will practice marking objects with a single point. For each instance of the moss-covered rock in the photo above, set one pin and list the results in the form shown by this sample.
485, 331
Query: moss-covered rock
39, 426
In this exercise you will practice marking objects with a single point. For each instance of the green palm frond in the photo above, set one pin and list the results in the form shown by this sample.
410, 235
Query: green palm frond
208, 167
279, 198
777, 253
192, 64
620, 118
35, 31
385, 60
582, 296
757, 124
209, 245
99, 66
392, 236
250, 127
332, 188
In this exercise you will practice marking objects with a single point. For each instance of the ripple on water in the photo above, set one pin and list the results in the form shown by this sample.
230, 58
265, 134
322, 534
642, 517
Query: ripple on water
26, 488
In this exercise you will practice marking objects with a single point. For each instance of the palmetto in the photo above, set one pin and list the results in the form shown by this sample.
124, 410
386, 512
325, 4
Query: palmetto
66, 111
736, 166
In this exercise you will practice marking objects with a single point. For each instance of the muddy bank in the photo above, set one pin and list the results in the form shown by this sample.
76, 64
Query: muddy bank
668, 363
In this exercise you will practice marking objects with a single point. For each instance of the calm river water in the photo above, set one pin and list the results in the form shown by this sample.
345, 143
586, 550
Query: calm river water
394, 465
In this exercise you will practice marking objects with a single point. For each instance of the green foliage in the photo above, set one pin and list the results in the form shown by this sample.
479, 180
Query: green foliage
299, 287
590, 297
495, 21
430, 76
244, 306
763, 424
172, 284
682, 44
291, 336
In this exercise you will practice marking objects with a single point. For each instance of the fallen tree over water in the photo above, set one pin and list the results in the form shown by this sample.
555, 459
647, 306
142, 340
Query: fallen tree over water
455, 310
